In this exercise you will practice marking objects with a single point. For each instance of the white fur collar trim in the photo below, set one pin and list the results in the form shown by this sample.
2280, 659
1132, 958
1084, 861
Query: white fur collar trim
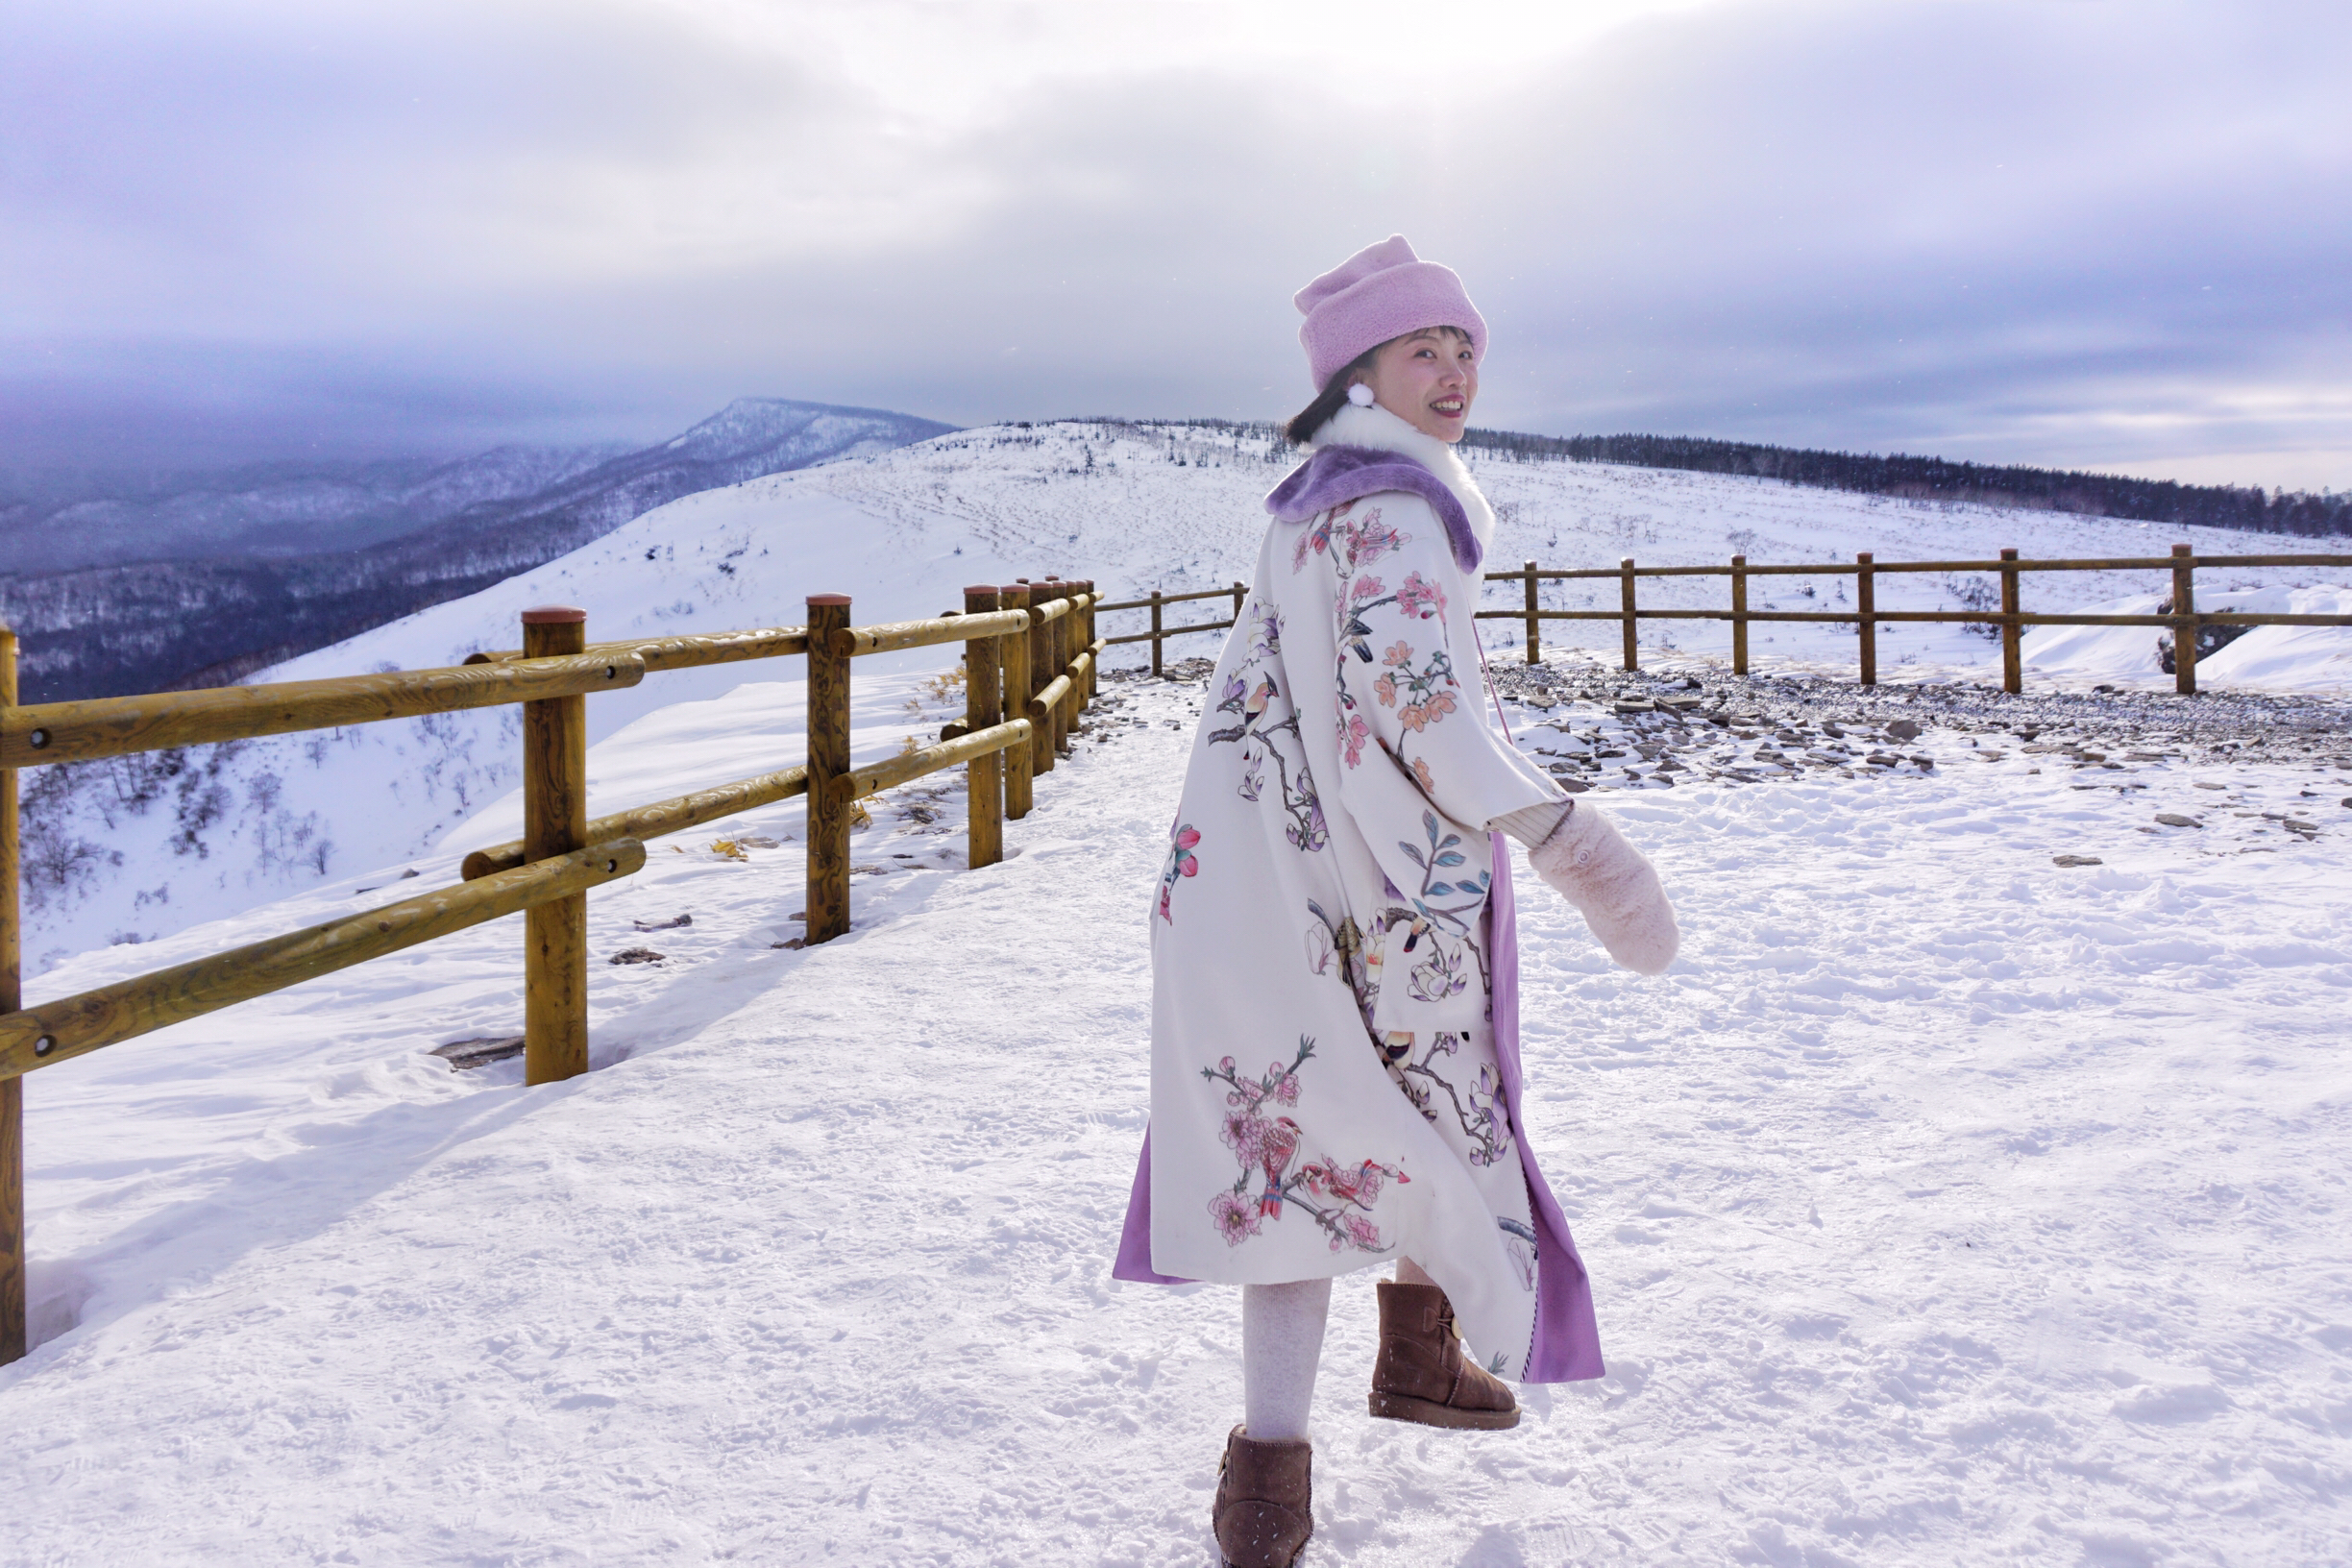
1374, 427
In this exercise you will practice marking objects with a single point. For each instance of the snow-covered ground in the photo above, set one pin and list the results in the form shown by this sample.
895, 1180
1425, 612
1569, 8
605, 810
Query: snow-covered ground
1945, 1205
137, 849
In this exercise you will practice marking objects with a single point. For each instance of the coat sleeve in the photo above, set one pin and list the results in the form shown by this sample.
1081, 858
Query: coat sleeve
1412, 710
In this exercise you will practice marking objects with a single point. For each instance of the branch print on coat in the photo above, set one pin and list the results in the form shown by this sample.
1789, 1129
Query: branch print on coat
1429, 692
1340, 1196
1253, 692
1478, 1111
1181, 863
1428, 689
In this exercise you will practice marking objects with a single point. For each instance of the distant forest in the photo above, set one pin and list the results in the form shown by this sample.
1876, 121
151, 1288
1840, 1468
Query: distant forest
1932, 478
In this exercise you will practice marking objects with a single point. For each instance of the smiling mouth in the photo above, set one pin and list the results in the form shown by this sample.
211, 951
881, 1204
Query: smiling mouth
1449, 407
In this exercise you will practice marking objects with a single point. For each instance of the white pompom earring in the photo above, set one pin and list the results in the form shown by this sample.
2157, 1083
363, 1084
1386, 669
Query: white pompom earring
1360, 395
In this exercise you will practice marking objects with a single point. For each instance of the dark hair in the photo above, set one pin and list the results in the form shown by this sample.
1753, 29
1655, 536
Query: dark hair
1316, 415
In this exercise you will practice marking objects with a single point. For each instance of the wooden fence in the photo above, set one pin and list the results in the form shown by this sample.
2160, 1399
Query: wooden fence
1029, 651
2184, 618
1159, 631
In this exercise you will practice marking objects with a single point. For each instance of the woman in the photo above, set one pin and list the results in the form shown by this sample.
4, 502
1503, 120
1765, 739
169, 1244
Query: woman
1334, 1050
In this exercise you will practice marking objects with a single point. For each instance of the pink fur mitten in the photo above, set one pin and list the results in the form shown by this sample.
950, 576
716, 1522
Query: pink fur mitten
1616, 890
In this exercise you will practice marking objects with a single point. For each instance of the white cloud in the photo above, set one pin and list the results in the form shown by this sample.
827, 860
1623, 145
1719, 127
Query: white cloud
2098, 233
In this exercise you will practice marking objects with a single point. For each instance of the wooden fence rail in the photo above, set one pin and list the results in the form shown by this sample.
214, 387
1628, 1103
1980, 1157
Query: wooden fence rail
2184, 619
1160, 633
2011, 618
1029, 653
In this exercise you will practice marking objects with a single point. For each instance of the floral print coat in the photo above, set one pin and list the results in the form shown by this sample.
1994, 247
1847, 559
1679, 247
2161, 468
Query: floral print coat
1327, 1090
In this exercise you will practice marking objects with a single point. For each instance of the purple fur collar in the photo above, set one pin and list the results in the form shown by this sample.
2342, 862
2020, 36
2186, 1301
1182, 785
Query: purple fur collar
1335, 474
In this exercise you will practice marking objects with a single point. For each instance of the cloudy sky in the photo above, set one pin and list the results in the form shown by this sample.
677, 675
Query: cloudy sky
2084, 232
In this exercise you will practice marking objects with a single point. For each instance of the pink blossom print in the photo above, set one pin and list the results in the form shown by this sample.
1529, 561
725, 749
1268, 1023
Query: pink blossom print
1420, 597
1369, 540
1235, 1220
1419, 716
1181, 863
1264, 1143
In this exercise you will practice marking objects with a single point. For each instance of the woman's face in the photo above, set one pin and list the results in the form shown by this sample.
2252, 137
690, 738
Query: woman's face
1428, 379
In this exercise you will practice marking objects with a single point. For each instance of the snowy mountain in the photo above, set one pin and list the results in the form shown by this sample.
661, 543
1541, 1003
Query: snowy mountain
136, 848
244, 603
51, 523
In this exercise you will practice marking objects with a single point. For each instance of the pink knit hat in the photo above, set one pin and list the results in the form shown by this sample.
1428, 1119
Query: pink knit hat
1382, 291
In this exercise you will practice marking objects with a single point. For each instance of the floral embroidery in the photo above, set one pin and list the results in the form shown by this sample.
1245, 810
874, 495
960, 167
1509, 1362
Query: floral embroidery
1419, 716
1369, 540
1251, 692
1420, 597
1444, 973
1181, 863
1421, 776
1353, 733
1477, 1109
1317, 539
1431, 689
1339, 1196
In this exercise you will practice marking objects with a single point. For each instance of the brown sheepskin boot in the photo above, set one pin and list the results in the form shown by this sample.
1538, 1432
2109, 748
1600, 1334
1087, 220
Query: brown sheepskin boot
1263, 1512
1421, 1375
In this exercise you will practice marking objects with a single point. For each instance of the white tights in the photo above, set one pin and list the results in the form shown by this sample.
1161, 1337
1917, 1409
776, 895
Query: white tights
1281, 1346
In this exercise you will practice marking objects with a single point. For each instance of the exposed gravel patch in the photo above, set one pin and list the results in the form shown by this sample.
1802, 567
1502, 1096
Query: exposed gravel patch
1597, 727
2224, 725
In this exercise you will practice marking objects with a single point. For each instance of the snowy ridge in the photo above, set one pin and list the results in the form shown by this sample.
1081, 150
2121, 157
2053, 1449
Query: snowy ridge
58, 523
141, 848
1944, 1206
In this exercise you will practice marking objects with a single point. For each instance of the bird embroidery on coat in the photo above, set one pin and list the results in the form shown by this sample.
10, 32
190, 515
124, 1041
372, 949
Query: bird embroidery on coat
1278, 1144
1341, 1195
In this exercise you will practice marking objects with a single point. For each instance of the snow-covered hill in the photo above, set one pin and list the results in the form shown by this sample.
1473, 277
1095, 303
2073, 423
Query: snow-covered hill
140, 847
279, 574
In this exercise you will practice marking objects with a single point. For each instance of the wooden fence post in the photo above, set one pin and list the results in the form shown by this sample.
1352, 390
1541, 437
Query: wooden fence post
1739, 615
828, 769
1156, 634
1534, 631
1042, 636
1057, 659
2185, 621
1093, 676
1866, 600
1085, 640
983, 705
1632, 655
1065, 650
2013, 658
1013, 649
554, 823
1240, 591
11, 1092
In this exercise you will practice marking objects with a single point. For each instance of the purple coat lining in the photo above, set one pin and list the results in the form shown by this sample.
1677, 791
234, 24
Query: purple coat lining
1337, 474
1567, 1340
